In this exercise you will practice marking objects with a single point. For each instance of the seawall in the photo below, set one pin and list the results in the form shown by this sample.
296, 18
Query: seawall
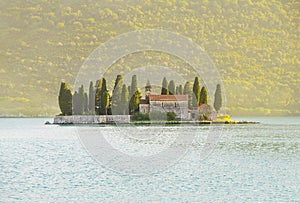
91, 119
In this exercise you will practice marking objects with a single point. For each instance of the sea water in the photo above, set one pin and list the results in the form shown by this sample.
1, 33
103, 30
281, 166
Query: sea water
248, 163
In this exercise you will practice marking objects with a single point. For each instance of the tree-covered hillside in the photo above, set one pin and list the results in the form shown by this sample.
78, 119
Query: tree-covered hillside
254, 44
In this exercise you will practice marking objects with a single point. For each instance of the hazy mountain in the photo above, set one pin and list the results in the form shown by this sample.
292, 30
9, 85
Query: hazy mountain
254, 44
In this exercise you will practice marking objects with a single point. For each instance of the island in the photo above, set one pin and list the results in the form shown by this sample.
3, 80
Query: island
179, 104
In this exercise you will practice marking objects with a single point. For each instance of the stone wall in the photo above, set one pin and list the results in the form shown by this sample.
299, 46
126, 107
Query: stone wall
178, 107
91, 119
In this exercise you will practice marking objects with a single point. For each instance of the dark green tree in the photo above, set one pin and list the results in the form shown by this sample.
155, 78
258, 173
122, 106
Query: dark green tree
116, 96
65, 99
164, 88
124, 100
76, 104
203, 96
85, 103
133, 87
180, 90
196, 91
81, 100
171, 87
218, 98
188, 90
104, 103
134, 103
104, 98
98, 96
91, 98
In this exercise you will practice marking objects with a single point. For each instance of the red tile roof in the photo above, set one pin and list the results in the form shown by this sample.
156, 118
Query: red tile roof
168, 97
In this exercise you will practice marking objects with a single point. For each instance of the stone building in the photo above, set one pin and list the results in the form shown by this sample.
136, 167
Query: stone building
164, 103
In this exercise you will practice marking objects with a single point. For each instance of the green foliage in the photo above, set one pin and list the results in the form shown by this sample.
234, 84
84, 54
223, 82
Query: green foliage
133, 88
171, 87
196, 91
98, 96
171, 116
124, 100
188, 91
203, 96
50, 45
85, 103
179, 90
164, 88
117, 108
140, 117
134, 103
77, 110
65, 99
218, 98
91, 107
104, 99
158, 116
104, 103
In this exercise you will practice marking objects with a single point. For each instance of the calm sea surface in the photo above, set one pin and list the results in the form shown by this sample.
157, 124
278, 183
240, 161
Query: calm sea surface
250, 163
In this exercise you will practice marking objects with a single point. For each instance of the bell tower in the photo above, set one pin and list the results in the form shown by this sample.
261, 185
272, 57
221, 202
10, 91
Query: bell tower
147, 90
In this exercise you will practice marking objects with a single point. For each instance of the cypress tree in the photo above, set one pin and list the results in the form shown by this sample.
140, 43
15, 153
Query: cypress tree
81, 100
92, 92
171, 87
76, 103
133, 87
218, 98
104, 103
124, 100
196, 91
86, 103
134, 103
104, 99
164, 88
116, 97
203, 96
188, 91
65, 99
180, 89
98, 96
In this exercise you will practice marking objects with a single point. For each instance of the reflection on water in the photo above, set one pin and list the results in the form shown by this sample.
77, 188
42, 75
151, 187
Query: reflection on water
250, 163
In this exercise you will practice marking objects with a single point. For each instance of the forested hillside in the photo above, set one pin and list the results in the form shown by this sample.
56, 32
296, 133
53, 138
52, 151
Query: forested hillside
253, 43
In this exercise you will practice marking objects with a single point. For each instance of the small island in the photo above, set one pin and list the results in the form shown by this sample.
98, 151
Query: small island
179, 104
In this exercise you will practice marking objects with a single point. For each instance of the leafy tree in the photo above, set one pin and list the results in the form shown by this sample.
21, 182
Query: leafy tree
188, 90
98, 96
92, 92
116, 97
196, 91
124, 100
164, 89
65, 99
134, 103
171, 87
203, 96
218, 98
